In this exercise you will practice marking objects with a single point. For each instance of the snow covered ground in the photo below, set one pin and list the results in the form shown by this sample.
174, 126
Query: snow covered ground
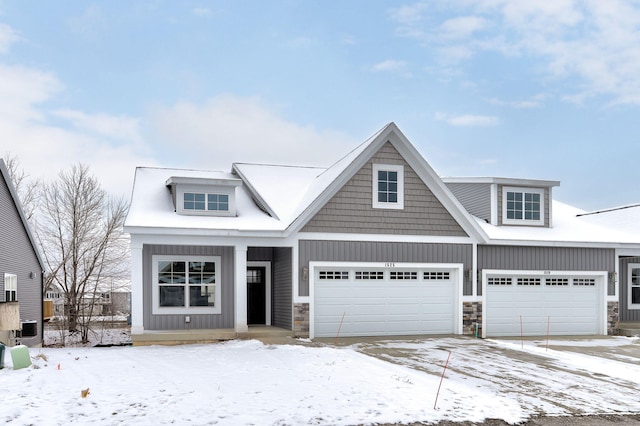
248, 382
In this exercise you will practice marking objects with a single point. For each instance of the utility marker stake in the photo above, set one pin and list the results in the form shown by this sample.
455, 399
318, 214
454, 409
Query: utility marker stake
521, 334
548, 327
441, 378
335, 342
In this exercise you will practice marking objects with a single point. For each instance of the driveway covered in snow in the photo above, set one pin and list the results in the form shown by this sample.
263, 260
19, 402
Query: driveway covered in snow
560, 377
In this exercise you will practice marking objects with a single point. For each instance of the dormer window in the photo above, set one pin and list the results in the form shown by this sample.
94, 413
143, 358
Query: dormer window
204, 196
522, 206
388, 186
206, 202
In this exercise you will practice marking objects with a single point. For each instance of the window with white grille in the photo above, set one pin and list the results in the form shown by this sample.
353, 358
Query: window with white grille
499, 281
436, 275
529, 281
557, 281
584, 281
403, 275
334, 275
369, 275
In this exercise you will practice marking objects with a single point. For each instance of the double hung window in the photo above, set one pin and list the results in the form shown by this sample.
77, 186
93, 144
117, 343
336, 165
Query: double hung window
10, 287
634, 285
388, 186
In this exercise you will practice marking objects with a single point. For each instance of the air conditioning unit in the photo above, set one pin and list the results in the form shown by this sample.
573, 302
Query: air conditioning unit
29, 329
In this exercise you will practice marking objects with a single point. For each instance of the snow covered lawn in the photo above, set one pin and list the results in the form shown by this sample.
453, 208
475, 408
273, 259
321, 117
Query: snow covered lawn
248, 382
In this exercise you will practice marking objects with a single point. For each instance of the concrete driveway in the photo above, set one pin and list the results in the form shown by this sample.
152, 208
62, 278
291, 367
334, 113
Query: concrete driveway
562, 377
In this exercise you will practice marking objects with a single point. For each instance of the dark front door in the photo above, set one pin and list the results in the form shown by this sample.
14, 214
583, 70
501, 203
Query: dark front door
256, 295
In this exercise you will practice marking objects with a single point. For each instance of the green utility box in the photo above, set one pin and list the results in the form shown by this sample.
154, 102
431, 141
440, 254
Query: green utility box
20, 357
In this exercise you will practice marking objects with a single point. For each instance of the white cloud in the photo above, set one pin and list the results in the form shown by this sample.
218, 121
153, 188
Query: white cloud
228, 129
533, 102
201, 11
389, 65
592, 44
7, 37
468, 120
120, 128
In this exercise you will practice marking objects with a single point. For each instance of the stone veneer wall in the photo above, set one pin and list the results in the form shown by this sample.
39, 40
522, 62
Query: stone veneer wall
613, 318
301, 319
471, 315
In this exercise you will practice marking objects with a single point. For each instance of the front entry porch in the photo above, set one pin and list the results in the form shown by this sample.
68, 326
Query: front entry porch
267, 334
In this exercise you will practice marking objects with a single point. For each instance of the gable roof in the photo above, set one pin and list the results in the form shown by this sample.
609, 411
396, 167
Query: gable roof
18, 205
275, 198
335, 177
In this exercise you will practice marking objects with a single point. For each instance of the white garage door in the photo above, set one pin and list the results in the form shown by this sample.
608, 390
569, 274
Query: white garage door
537, 305
379, 301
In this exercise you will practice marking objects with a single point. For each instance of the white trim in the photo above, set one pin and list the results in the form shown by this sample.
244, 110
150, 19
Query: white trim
240, 288
10, 284
156, 309
267, 286
399, 204
630, 304
494, 204
457, 268
206, 190
389, 238
523, 191
602, 282
137, 295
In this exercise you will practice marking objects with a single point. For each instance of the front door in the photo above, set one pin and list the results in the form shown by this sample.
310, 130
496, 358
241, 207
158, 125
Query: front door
256, 295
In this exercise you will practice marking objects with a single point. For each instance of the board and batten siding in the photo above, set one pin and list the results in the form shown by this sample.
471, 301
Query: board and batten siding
547, 259
283, 288
475, 197
365, 251
177, 322
627, 314
18, 257
351, 211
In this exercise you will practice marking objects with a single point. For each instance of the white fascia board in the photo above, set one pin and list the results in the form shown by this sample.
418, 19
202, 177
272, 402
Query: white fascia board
138, 240
235, 233
503, 181
179, 180
548, 243
254, 193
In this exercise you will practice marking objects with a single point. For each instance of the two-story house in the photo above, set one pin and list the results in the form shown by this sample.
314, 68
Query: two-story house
20, 269
375, 245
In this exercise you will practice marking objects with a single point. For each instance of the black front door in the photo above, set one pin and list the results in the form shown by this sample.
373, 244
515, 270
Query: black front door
256, 295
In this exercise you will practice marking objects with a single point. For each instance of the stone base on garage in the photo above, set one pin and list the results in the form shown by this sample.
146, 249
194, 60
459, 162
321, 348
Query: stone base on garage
613, 318
472, 318
301, 319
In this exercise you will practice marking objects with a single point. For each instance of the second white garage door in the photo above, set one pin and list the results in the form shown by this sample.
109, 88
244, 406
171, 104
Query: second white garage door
537, 305
369, 300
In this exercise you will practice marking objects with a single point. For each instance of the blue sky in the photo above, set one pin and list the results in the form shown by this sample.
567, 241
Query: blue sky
527, 89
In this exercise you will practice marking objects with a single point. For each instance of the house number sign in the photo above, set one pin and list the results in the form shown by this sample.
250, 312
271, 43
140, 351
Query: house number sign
389, 265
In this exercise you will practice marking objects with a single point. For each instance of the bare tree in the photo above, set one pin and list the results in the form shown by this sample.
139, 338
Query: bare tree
80, 231
27, 189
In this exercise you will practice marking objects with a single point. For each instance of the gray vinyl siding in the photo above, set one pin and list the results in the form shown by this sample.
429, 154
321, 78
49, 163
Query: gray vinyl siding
18, 257
547, 204
547, 259
626, 314
475, 197
351, 211
361, 251
177, 322
282, 288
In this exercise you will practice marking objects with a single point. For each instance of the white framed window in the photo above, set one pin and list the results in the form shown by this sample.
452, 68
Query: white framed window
522, 206
633, 278
205, 202
388, 186
10, 287
186, 285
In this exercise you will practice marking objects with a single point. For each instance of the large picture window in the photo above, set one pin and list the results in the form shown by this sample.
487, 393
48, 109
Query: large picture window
388, 186
187, 285
523, 206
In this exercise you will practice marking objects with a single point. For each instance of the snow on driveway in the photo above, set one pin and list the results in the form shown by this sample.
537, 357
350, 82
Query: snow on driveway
248, 382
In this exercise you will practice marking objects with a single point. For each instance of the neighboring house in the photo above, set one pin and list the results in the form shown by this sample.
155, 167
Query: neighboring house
20, 267
377, 244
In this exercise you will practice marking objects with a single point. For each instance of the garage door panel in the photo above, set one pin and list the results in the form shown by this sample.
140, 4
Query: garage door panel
384, 307
535, 310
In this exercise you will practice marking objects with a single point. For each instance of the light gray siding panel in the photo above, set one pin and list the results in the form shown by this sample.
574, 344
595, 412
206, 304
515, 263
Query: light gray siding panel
282, 288
177, 322
17, 257
362, 251
547, 259
475, 197
351, 211
627, 314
